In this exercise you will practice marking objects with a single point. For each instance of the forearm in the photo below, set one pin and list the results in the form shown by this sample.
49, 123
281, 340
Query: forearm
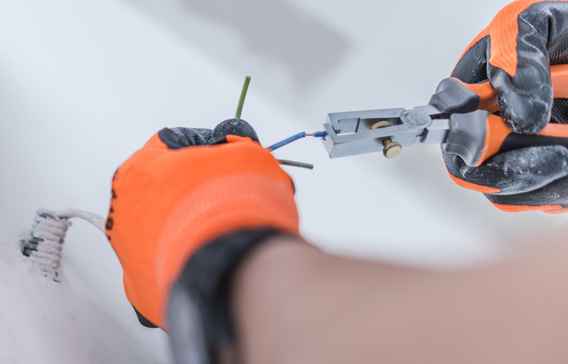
296, 304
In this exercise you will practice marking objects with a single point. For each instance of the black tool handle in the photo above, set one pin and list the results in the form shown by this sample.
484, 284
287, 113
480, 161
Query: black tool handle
478, 136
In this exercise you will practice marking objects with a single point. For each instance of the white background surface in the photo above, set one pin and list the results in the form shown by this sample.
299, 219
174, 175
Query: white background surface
85, 83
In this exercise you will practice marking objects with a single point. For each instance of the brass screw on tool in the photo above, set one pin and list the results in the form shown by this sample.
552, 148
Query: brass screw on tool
381, 124
391, 149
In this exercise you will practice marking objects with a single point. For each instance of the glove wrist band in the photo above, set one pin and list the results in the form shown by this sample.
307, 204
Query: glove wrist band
200, 317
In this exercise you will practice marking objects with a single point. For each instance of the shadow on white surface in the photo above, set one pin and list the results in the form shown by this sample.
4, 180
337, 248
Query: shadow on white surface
46, 322
296, 50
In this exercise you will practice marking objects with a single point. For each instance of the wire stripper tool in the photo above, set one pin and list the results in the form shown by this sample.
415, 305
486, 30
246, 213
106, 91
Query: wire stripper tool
462, 117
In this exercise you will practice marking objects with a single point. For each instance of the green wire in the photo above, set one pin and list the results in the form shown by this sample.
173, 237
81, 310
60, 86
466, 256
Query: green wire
239, 113
243, 98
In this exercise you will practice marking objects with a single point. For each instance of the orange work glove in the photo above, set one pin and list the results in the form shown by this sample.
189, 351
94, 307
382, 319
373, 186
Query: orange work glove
514, 54
184, 188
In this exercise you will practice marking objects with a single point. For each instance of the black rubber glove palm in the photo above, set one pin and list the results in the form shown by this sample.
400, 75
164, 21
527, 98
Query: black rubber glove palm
515, 53
177, 138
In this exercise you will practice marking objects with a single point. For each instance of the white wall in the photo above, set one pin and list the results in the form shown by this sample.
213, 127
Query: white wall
84, 83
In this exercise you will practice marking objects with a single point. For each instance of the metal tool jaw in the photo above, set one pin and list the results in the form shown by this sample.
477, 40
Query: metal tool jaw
386, 131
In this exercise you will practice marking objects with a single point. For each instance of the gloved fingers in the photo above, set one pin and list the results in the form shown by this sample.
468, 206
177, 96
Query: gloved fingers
451, 96
552, 198
515, 53
560, 111
526, 99
236, 127
236, 130
526, 37
514, 172
471, 178
472, 67
177, 138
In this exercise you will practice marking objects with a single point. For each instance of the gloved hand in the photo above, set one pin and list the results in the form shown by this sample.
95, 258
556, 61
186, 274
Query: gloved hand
514, 53
184, 188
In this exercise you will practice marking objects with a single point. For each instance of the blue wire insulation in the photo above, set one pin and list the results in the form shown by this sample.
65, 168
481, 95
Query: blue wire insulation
296, 137
320, 134
287, 141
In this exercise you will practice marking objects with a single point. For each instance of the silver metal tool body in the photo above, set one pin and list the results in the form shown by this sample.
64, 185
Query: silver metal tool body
362, 132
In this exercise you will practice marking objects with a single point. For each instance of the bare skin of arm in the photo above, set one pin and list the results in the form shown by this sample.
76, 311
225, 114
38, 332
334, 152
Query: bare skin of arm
295, 304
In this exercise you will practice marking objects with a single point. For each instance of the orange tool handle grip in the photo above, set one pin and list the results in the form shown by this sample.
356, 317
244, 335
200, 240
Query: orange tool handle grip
478, 136
499, 137
488, 96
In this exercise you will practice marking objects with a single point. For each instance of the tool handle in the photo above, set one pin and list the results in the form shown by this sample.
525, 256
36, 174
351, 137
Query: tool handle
455, 96
476, 137
488, 96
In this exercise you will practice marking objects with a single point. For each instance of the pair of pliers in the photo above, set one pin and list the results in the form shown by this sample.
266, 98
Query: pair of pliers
461, 117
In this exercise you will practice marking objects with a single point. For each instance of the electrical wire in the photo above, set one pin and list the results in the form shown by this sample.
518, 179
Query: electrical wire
43, 244
296, 137
290, 163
